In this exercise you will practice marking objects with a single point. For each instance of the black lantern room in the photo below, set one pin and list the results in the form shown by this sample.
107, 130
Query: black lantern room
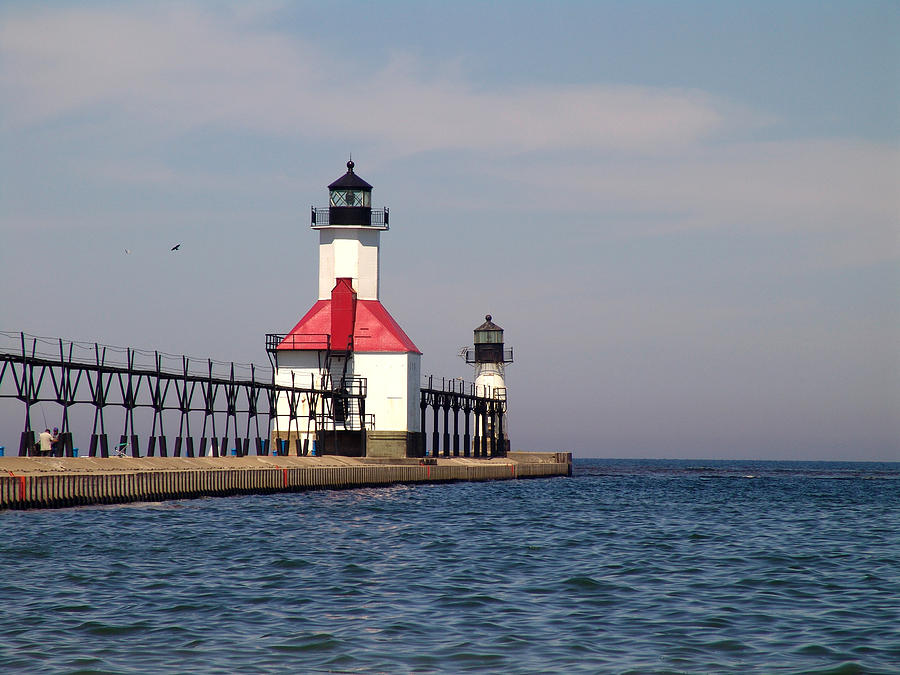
489, 344
350, 204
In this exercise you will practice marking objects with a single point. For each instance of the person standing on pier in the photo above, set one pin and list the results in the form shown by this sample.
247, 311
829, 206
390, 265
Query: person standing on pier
54, 442
46, 443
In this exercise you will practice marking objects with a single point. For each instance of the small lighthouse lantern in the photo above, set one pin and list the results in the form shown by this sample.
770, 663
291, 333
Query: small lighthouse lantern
489, 357
488, 342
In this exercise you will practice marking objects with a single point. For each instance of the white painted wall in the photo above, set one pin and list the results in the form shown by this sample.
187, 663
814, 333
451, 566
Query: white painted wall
350, 252
392, 381
393, 388
489, 378
304, 365
489, 375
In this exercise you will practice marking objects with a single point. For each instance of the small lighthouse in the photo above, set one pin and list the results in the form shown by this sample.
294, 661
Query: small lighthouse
490, 357
348, 343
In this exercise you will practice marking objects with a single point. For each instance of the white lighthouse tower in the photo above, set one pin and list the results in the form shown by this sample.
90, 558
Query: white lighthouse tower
349, 343
490, 357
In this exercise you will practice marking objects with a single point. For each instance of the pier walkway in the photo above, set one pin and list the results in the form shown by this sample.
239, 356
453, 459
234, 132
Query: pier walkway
54, 482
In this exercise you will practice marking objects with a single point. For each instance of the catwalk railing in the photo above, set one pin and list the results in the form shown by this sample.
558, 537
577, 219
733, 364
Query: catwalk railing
483, 413
226, 400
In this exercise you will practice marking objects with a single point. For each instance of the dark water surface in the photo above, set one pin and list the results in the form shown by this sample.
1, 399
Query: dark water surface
629, 567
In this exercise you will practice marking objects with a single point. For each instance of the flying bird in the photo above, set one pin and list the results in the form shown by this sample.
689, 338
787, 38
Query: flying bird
176, 247
127, 251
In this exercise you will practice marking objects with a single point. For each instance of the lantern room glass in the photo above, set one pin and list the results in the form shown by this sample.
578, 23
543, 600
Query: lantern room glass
344, 197
488, 337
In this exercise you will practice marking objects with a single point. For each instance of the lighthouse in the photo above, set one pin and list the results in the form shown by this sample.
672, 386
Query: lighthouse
490, 357
348, 343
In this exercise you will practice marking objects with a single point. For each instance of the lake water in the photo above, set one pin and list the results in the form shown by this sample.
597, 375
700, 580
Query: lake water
628, 567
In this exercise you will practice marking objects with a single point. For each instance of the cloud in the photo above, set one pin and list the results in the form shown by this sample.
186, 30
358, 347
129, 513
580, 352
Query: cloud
672, 158
168, 65
796, 180
843, 191
186, 68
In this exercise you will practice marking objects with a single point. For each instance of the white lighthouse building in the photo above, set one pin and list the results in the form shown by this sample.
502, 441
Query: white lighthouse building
348, 343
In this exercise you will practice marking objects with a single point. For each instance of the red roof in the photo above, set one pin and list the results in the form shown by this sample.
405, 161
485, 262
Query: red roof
374, 330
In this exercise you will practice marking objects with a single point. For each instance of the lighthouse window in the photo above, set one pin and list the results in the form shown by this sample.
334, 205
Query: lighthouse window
488, 336
350, 198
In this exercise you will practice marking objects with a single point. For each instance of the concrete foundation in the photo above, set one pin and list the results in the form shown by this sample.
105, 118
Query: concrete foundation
354, 443
393, 444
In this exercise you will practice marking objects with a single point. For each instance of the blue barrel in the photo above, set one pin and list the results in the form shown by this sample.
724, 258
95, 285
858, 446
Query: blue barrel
74, 452
2, 450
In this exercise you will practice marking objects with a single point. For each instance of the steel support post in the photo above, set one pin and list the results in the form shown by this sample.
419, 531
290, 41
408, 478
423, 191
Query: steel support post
26, 443
456, 426
435, 438
446, 407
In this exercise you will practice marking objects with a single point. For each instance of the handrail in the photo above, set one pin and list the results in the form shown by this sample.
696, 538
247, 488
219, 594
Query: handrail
275, 341
468, 353
41, 349
459, 387
321, 217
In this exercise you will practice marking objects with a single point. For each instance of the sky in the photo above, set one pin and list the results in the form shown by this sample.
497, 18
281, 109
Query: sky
686, 216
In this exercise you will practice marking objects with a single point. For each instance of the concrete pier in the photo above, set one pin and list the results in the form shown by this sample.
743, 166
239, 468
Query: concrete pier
54, 482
